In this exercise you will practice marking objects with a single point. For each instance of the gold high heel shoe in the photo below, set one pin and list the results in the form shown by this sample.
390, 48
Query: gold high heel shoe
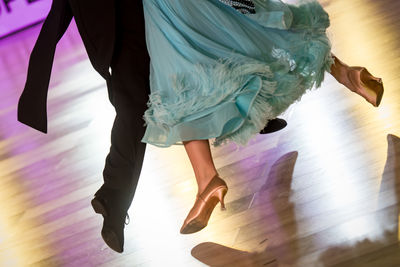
360, 81
205, 203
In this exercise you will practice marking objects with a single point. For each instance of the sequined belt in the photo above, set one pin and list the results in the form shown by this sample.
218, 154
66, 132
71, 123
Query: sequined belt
243, 6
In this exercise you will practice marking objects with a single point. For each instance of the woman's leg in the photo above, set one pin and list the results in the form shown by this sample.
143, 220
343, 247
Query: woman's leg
201, 159
211, 188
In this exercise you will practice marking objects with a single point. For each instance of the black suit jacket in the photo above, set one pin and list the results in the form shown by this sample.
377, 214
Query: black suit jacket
95, 20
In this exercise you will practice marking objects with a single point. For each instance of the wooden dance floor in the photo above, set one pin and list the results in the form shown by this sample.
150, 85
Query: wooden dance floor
325, 191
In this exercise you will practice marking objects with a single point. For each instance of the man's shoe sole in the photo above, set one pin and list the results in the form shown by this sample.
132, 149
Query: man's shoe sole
109, 236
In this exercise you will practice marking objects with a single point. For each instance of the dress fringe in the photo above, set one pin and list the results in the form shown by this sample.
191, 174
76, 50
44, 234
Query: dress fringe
258, 90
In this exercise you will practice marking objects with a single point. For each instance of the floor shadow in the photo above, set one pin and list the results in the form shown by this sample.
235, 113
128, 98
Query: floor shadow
217, 255
382, 251
275, 192
385, 251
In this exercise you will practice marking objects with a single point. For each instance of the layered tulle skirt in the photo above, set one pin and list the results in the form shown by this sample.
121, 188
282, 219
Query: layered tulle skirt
218, 73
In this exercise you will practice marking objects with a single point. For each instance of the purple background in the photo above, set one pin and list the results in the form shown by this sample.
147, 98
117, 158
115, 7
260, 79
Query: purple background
21, 13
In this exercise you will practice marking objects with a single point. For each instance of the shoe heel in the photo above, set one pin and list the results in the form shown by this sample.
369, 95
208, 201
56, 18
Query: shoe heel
220, 193
98, 207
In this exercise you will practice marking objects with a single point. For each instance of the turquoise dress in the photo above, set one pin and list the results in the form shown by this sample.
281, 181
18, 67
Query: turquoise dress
217, 73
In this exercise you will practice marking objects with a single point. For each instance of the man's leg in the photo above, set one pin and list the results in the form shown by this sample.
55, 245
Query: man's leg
129, 94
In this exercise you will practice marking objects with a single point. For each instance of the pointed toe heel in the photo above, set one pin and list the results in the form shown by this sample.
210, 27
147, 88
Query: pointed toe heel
364, 84
360, 81
205, 203
373, 87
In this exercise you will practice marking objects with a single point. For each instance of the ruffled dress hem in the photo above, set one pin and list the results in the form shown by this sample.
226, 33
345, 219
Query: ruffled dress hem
233, 99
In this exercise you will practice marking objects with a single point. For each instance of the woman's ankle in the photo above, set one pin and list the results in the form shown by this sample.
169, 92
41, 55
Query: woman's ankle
204, 179
340, 71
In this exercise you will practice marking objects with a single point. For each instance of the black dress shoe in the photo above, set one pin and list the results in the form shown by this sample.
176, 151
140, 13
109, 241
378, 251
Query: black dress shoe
114, 221
274, 125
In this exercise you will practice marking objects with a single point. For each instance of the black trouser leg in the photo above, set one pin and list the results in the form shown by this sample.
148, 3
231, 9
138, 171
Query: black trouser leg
129, 95
128, 91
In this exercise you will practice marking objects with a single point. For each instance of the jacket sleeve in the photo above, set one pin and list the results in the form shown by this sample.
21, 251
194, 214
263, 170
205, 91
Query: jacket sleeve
32, 105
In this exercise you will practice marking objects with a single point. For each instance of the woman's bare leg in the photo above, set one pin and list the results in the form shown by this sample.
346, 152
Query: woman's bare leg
201, 159
340, 71
211, 188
